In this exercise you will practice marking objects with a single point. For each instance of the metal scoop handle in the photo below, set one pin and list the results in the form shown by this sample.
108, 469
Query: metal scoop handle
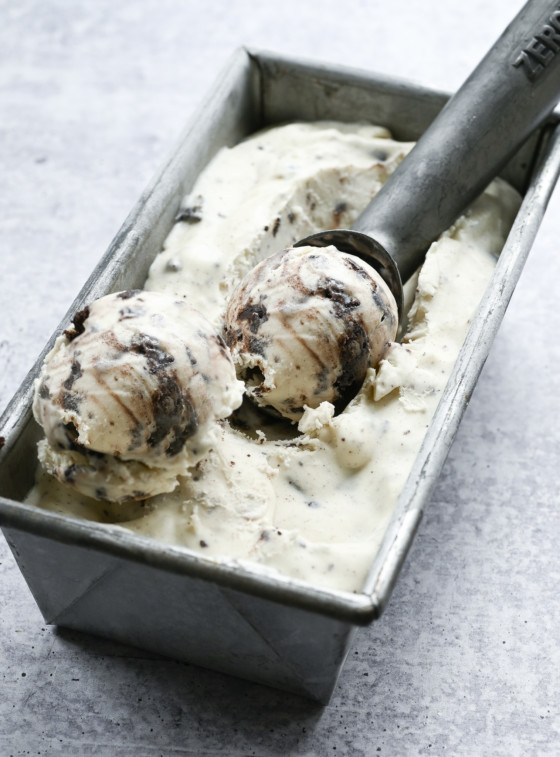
509, 94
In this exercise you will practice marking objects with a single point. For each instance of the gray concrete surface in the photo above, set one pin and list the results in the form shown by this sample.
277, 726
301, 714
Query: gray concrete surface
466, 659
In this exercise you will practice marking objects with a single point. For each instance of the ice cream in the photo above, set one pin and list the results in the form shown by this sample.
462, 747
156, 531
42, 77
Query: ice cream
129, 396
305, 325
311, 501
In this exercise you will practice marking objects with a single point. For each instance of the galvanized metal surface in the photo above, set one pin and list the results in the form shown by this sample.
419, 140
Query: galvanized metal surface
109, 563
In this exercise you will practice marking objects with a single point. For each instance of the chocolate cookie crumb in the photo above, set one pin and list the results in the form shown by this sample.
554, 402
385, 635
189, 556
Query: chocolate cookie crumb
190, 214
128, 293
78, 326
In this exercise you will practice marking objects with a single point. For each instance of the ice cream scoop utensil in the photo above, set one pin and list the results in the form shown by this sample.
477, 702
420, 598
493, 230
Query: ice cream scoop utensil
511, 92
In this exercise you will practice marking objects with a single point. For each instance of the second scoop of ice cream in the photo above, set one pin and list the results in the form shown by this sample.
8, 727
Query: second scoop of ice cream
305, 325
128, 396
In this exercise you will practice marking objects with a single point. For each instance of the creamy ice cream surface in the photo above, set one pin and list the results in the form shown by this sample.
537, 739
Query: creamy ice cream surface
311, 500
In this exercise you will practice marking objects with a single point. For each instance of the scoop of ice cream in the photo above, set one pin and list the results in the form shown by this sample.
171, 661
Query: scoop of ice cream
304, 326
129, 396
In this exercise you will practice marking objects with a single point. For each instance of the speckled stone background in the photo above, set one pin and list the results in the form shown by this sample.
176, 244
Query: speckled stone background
466, 659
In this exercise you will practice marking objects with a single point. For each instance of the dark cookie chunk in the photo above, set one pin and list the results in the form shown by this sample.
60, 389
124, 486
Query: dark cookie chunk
190, 214
255, 314
354, 358
158, 359
128, 293
78, 324
75, 373
174, 415
340, 208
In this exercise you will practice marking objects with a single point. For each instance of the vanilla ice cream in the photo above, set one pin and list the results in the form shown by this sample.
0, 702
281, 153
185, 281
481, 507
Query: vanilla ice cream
311, 501
129, 396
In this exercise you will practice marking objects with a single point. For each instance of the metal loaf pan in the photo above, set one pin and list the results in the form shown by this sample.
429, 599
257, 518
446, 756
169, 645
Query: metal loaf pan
241, 619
